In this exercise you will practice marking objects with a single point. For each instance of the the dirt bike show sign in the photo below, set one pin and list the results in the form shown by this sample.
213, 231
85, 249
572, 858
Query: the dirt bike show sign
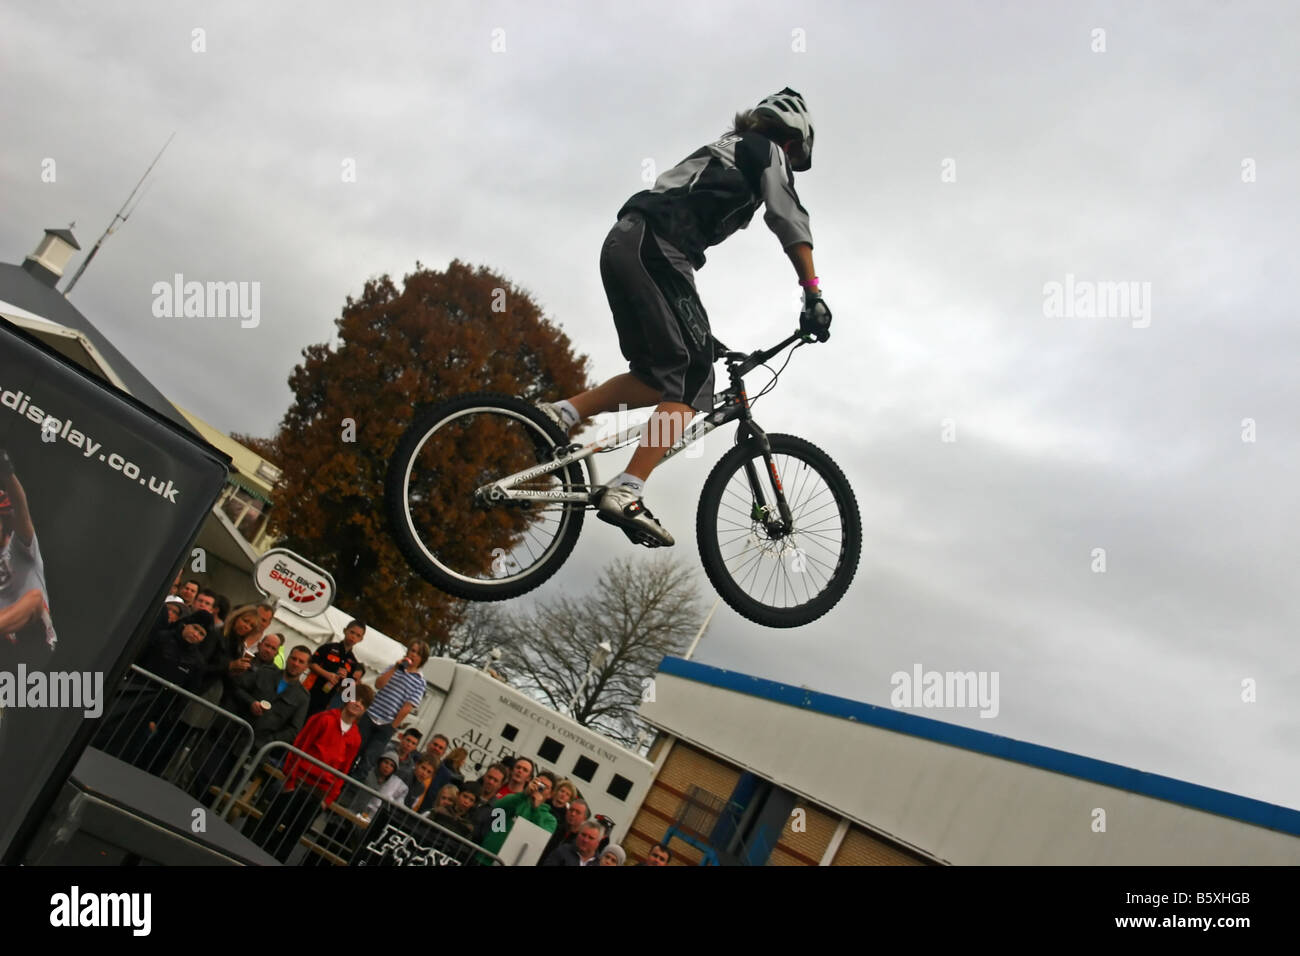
293, 581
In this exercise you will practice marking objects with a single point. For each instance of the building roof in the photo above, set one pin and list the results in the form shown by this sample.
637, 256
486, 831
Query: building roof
20, 288
248, 470
66, 235
1153, 785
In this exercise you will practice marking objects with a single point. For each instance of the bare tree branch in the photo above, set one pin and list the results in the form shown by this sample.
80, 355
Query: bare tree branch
477, 629
645, 610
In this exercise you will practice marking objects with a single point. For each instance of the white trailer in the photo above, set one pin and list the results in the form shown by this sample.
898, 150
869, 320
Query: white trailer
491, 720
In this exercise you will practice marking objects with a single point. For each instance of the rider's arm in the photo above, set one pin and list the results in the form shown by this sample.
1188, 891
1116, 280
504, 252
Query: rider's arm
801, 256
784, 213
19, 613
9, 482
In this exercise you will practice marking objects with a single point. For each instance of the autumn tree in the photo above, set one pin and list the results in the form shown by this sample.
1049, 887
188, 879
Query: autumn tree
442, 334
266, 447
644, 609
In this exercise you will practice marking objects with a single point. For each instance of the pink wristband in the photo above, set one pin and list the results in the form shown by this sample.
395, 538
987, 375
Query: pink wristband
812, 283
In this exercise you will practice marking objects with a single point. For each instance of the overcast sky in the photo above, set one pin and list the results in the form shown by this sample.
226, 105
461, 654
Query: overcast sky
967, 156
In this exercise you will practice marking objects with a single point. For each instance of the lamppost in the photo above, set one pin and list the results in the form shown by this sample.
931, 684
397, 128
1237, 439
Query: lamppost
598, 659
700, 633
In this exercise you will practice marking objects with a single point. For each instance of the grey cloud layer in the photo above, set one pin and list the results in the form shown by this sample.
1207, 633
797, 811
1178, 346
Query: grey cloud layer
1071, 433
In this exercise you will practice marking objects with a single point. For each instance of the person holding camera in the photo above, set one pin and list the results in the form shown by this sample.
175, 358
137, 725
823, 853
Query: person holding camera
398, 691
531, 805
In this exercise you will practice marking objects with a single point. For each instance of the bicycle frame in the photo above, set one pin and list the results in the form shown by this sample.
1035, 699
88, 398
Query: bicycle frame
728, 406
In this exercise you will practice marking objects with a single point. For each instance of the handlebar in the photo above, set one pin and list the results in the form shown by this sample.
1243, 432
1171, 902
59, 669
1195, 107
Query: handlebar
752, 360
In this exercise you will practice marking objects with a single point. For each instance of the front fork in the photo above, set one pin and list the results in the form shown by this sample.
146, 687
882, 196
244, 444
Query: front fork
777, 527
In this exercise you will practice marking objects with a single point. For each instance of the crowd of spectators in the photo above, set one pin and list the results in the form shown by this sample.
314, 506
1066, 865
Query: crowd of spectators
315, 700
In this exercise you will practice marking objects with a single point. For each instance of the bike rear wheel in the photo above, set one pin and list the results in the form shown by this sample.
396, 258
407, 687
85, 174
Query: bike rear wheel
465, 546
797, 576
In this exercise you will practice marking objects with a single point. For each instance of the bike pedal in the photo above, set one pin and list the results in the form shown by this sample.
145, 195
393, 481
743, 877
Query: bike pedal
633, 535
640, 537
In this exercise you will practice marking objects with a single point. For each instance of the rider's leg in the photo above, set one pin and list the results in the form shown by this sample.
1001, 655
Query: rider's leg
663, 332
662, 431
621, 391
620, 503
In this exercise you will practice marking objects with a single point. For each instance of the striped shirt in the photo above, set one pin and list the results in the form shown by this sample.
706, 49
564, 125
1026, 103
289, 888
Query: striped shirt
403, 686
716, 190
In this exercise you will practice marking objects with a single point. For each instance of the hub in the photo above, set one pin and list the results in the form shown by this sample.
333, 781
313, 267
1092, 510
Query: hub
773, 526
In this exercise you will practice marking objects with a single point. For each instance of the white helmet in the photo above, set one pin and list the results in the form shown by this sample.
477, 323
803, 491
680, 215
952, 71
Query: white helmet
789, 107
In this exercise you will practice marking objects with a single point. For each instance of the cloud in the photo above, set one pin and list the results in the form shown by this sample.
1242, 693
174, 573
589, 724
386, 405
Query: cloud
1071, 434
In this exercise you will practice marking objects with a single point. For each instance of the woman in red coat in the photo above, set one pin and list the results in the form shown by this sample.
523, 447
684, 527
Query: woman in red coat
332, 738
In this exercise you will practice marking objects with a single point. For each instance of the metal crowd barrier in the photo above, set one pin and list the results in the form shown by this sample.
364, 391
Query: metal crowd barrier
174, 734
204, 750
287, 817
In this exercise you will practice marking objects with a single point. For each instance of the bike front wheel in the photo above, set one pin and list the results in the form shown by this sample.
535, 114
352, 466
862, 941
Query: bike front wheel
786, 577
462, 544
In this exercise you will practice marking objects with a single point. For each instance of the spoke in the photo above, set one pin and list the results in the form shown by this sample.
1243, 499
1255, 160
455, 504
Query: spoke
810, 565
746, 501
747, 526
486, 445
805, 560
529, 538
803, 513
756, 562
802, 479
741, 537
772, 577
818, 538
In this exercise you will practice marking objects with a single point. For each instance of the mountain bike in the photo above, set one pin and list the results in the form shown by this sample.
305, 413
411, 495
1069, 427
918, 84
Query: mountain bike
777, 525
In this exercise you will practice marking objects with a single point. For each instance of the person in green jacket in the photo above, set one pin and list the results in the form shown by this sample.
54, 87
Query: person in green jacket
529, 805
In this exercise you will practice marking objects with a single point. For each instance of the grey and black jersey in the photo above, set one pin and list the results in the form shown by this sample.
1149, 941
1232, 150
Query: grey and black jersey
22, 570
715, 191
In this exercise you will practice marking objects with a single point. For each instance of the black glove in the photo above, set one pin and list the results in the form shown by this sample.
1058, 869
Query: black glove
6, 465
815, 319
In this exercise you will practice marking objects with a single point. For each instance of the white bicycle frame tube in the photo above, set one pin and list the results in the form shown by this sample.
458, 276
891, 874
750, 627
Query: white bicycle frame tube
503, 489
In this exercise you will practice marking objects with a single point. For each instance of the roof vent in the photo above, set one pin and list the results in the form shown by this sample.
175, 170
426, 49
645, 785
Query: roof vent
51, 255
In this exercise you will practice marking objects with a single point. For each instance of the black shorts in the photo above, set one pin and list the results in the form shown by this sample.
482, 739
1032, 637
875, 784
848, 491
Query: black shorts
663, 330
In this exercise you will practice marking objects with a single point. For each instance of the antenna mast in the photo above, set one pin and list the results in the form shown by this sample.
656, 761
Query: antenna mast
122, 214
